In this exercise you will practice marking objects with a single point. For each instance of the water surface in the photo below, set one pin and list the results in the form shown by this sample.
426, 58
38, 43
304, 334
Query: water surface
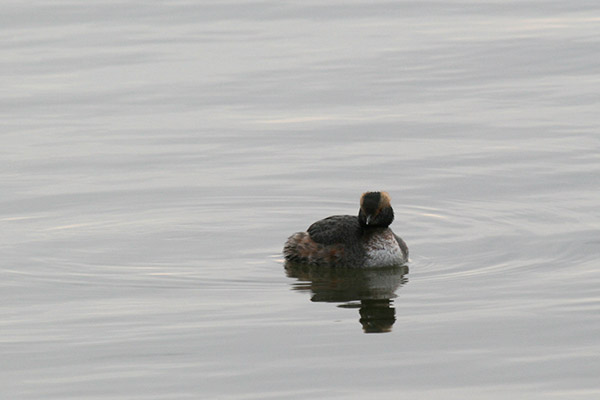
156, 156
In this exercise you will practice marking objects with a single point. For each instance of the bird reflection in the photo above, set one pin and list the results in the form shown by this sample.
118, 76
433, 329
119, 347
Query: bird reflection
370, 290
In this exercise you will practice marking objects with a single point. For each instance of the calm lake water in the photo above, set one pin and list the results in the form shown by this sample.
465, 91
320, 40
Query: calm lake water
156, 155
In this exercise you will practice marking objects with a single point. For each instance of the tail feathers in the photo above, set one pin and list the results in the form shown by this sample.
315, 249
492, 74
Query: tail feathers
302, 249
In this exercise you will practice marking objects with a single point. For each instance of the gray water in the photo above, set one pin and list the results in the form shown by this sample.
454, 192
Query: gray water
156, 155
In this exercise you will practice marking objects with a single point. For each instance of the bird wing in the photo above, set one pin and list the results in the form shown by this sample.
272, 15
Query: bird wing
335, 229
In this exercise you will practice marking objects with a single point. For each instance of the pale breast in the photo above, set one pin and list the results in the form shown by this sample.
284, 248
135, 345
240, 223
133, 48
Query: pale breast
382, 250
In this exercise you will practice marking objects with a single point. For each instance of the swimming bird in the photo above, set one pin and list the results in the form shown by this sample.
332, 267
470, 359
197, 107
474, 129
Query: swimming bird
360, 241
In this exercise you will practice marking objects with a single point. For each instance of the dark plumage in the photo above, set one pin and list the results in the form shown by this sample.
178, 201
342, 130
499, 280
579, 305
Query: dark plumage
335, 229
363, 240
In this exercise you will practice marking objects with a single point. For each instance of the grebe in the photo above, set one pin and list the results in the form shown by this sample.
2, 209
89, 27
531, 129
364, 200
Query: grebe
362, 241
